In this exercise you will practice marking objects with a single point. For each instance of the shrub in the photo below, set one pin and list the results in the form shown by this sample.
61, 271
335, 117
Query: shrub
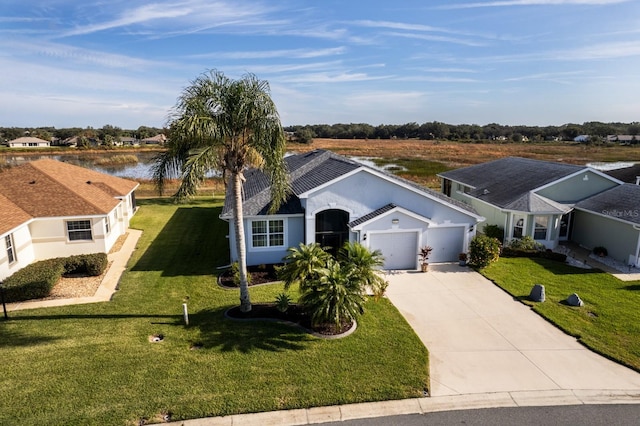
282, 302
600, 251
235, 271
525, 243
90, 264
483, 251
33, 281
494, 231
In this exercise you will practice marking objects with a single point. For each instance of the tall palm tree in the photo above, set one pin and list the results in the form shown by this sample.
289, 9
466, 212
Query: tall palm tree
226, 125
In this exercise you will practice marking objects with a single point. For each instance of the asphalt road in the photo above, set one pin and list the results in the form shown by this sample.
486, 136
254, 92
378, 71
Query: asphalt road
587, 415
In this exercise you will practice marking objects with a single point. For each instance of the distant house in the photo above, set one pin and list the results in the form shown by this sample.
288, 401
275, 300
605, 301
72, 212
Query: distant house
159, 139
28, 142
623, 139
53, 209
552, 202
581, 138
337, 200
129, 141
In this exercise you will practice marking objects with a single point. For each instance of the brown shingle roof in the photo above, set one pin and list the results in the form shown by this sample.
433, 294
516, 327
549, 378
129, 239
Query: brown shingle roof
50, 188
11, 215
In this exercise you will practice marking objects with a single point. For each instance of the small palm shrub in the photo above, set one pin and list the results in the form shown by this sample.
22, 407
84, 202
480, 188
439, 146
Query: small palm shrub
483, 251
302, 264
283, 300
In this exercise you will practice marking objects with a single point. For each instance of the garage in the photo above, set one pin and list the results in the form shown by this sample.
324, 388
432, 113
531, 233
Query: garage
447, 243
400, 249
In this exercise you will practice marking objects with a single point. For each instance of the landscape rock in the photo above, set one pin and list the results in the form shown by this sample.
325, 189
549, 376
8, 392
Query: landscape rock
537, 293
574, 300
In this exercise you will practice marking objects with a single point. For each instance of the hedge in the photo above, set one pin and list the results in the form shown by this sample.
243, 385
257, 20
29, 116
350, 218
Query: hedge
36, 280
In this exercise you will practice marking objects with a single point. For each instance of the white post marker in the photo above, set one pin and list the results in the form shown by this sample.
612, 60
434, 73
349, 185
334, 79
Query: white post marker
186, 313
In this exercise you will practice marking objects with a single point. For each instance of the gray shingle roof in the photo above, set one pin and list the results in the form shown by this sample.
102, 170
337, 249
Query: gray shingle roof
626, 174
372, 215
621, 202
308, 171
505, 181
535, 203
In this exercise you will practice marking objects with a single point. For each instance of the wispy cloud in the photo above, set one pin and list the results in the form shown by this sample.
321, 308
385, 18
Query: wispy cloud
344, 77
507, 3
272, 54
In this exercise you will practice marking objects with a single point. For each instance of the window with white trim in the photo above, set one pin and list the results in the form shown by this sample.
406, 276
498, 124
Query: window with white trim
541, 227
267, 233
11, 252
78, 230
107, 224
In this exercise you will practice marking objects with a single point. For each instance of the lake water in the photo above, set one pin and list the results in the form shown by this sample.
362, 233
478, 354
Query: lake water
139, 170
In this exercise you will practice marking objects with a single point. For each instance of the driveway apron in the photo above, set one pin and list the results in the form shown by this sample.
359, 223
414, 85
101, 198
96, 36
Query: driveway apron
482, 340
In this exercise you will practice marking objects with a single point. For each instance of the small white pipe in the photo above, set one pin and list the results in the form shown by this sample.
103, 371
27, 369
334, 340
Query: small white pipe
186, 313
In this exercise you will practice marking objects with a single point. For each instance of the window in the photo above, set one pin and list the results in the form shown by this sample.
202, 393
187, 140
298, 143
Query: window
79, 230
518, 226
11, 253
107, 224
540, 230
267, 233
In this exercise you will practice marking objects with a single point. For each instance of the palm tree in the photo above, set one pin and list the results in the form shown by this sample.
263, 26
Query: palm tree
302, 264
334, 296
365, 265
226, 125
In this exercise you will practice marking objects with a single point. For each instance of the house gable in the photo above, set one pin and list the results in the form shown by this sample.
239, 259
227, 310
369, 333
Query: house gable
578, 186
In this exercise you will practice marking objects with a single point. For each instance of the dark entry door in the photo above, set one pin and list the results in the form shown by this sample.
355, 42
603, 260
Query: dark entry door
331, 229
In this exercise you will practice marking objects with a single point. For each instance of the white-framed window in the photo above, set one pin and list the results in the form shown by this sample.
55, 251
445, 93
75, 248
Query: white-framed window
518, 226
541, 227
11, 251
78, 230
267, 233
107, 224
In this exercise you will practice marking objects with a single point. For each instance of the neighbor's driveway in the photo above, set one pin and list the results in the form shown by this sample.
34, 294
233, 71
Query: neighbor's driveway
481, 340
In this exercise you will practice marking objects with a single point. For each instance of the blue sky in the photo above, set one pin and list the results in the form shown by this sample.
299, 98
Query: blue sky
68, 63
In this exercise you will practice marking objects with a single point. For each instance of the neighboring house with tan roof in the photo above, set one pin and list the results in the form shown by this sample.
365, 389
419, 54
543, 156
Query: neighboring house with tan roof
53, 209
28, 142
158, 139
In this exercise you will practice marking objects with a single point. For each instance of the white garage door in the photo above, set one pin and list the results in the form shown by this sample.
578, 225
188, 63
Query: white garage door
447, 243
400, 249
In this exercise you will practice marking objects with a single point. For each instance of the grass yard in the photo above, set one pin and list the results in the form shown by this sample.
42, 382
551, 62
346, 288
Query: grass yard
609, 321
94, 364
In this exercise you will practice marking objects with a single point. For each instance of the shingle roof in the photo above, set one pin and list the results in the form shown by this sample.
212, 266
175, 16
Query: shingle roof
26, 139
50, 188
309, 171
620, 202
372, 215
11, 215
535, 203
503, 182
626, 174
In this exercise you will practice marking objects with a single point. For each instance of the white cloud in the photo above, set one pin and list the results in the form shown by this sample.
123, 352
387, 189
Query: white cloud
506, 3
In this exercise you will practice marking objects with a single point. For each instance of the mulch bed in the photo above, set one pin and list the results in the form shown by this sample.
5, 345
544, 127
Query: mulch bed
294, 314
259, 275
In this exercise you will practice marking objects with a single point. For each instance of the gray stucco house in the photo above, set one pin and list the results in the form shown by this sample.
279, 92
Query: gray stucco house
552, 202
336, 199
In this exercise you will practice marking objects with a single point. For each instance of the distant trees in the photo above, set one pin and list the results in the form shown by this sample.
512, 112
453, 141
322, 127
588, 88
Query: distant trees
465, 132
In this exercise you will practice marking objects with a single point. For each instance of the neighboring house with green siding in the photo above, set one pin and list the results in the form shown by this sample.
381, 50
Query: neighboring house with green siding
552, 202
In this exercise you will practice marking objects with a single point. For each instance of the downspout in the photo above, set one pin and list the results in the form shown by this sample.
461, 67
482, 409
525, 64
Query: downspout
635, 261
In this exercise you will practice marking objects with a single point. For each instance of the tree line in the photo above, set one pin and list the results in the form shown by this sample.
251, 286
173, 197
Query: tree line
462, 132
104, 133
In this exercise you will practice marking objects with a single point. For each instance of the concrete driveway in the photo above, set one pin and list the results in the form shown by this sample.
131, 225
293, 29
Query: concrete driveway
481, 340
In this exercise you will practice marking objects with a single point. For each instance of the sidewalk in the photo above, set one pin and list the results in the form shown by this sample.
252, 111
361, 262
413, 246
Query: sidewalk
107, 287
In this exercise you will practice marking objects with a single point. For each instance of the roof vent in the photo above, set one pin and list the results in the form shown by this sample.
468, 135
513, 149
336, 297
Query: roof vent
33, 182
637, 180
88, 182
485, 192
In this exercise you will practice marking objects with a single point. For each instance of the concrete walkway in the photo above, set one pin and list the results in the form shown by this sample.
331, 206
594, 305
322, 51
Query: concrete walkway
481, 340
107, 287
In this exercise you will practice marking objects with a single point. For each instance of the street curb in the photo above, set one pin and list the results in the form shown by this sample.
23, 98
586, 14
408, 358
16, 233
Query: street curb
339, 413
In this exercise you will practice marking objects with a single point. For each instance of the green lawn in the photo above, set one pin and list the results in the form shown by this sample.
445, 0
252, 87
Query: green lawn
608, 323
94, 364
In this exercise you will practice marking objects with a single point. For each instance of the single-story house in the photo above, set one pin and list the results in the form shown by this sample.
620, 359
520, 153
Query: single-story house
552, 202
28, 142
53, 209
336, 200
158, 139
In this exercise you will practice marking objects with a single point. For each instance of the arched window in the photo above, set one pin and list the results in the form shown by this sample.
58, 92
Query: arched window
331, 228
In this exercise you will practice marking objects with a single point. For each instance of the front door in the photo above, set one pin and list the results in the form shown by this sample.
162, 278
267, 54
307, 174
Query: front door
332, 229
565, 226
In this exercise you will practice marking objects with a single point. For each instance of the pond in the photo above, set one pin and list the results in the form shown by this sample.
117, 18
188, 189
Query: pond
91, 160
